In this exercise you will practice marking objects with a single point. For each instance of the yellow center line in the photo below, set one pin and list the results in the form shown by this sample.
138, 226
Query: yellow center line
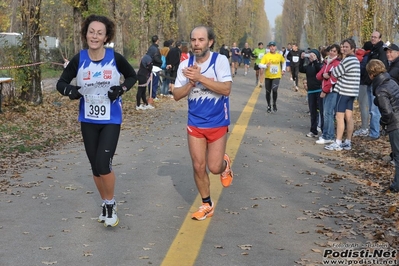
185, 247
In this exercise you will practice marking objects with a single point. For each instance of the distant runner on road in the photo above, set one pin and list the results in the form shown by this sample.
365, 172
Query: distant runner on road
274, 65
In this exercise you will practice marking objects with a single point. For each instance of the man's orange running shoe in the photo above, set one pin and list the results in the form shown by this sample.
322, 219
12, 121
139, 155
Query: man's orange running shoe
227, 176
205, 210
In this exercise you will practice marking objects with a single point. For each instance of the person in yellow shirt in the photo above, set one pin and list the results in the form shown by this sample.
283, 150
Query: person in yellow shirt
274, 65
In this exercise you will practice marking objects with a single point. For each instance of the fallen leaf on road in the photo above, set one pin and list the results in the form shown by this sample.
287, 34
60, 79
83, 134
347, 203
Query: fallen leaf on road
49, 262
372, 184
87, 253
245, 247
321, 244
301, 232
391, 209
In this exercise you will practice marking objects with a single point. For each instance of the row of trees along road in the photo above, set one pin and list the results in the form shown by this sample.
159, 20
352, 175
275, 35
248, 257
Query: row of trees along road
137, 20
319, 22
324, 22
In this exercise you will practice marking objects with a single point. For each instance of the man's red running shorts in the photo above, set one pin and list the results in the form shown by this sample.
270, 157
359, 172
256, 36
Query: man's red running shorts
210, 134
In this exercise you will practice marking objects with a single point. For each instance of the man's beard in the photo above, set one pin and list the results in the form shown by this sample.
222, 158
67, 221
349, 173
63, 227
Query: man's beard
203, 53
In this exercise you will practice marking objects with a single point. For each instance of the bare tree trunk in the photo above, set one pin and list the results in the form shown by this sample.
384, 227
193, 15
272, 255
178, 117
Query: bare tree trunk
143, 37
30, 17
78, 10
13, 16
77, 20
118, 42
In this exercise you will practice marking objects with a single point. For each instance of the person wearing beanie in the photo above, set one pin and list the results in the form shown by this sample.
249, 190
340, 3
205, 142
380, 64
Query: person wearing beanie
316, 52
310, 64
392, 52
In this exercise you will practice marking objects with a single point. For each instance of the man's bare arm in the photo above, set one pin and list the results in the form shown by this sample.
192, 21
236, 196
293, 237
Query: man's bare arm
181, 92
194, 74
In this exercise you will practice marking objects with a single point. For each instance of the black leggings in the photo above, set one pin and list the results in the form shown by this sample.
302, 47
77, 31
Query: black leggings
294, 73
140, 95
100, 143
271, 85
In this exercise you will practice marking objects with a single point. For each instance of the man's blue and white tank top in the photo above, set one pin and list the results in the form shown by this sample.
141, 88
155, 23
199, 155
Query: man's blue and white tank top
95, 80
207, 109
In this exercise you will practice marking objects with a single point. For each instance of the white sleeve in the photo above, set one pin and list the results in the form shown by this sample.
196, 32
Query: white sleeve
222, 69
181, 80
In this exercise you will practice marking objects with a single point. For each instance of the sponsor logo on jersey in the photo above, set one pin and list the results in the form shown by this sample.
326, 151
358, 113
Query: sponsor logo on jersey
107, 74
97, 74
86, 75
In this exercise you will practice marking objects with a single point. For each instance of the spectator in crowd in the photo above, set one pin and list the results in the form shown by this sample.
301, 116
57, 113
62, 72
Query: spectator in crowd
377, 52
386, 92
328, 96
392, 51
155, 54
172, 64
311, 68
324, 50
363, 99
165, 80
184, 53
143, 76
347, 74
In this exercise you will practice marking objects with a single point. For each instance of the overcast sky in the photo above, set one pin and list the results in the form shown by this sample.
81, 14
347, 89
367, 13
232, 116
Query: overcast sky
273, 9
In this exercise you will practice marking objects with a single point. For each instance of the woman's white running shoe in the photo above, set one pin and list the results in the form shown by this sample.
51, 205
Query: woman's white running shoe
112, 219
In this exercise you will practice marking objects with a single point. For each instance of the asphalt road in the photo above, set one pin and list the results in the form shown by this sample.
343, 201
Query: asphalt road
267, 217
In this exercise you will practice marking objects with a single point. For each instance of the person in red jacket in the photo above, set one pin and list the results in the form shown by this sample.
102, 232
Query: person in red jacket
329, 97
184, 53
